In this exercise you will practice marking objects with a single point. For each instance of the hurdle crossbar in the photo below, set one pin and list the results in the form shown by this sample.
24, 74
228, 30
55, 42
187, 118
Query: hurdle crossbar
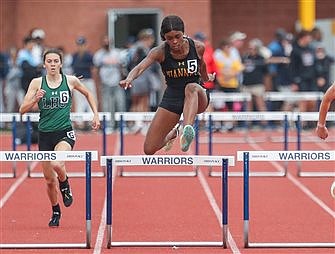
175, 160
219, 98
88, 157
144, 116
34, 117
246, 157
293, 96
310, 116
248, 116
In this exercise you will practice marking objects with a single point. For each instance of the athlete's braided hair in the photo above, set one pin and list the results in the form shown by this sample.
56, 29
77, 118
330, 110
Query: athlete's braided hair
169, 23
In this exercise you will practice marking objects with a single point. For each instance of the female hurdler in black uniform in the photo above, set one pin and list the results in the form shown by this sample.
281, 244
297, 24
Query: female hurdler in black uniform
182, 64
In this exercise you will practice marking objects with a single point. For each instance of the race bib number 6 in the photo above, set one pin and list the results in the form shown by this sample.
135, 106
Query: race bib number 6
71, 135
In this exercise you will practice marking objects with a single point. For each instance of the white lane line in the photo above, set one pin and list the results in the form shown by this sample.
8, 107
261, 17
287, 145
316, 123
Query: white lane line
15, 185
217, 211
100, 235
297, 183
102, 226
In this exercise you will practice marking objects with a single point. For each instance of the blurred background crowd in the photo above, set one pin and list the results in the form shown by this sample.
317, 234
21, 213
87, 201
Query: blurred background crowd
290, 62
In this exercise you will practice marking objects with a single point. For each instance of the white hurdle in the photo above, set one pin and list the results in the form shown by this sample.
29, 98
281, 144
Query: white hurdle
310, 116
86, 156
169, 160
123, 117
219, 98
248, 116
34, 117
246, 157
293, 96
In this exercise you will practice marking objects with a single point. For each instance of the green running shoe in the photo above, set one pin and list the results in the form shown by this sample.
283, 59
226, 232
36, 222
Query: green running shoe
186, 138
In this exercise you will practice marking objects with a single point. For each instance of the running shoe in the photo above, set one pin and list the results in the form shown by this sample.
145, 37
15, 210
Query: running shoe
54, 221
65, 189
186, 138
169, 144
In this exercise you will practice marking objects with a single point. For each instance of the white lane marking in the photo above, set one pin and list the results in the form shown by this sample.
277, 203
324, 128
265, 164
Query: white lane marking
217, 211
102, 226
15, 185
297, 183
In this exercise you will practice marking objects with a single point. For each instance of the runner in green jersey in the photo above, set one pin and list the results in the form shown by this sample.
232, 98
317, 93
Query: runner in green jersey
52, 94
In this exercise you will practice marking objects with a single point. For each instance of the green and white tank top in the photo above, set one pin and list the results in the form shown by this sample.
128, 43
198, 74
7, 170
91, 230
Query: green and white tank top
55, 107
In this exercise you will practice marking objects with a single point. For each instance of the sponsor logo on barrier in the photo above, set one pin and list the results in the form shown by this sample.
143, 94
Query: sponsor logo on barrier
211, 161
263, 156
27, 156
75, 156
247, 117
122, 161
168, 160
305, 156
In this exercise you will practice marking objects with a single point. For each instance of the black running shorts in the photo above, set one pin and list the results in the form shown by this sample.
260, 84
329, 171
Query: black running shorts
48, 140
173, 100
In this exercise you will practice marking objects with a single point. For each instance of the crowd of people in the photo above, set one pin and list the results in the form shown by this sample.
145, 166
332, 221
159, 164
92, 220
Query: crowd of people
242, 64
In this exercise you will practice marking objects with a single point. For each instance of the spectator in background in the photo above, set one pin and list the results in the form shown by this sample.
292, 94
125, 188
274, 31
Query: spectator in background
29, 65
67, 61
302, 67
278, 67
316, 37
125, 55
208, 57
3, 74
82, 66
237, 40
14, 93
229, 68
38, 36
254, 72
109, 63
323, 64
280, 47
148, 81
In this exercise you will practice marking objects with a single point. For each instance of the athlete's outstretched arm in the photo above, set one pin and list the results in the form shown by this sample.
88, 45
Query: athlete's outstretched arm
33, 96
205, 76
153, 55
327, 99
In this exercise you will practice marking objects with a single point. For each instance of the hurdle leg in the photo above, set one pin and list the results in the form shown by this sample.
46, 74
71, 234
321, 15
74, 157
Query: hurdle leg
224, 196
246, 199
88, 200
109, 203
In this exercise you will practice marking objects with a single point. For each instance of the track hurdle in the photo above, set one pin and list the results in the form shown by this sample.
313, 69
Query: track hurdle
7, 118
143, 116
247, 116
86, 156
246, 157
34, 117
218, 98
310, 116
168, 160
293, 96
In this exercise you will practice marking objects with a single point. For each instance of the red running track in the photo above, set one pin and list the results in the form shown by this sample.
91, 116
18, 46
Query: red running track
285, 209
